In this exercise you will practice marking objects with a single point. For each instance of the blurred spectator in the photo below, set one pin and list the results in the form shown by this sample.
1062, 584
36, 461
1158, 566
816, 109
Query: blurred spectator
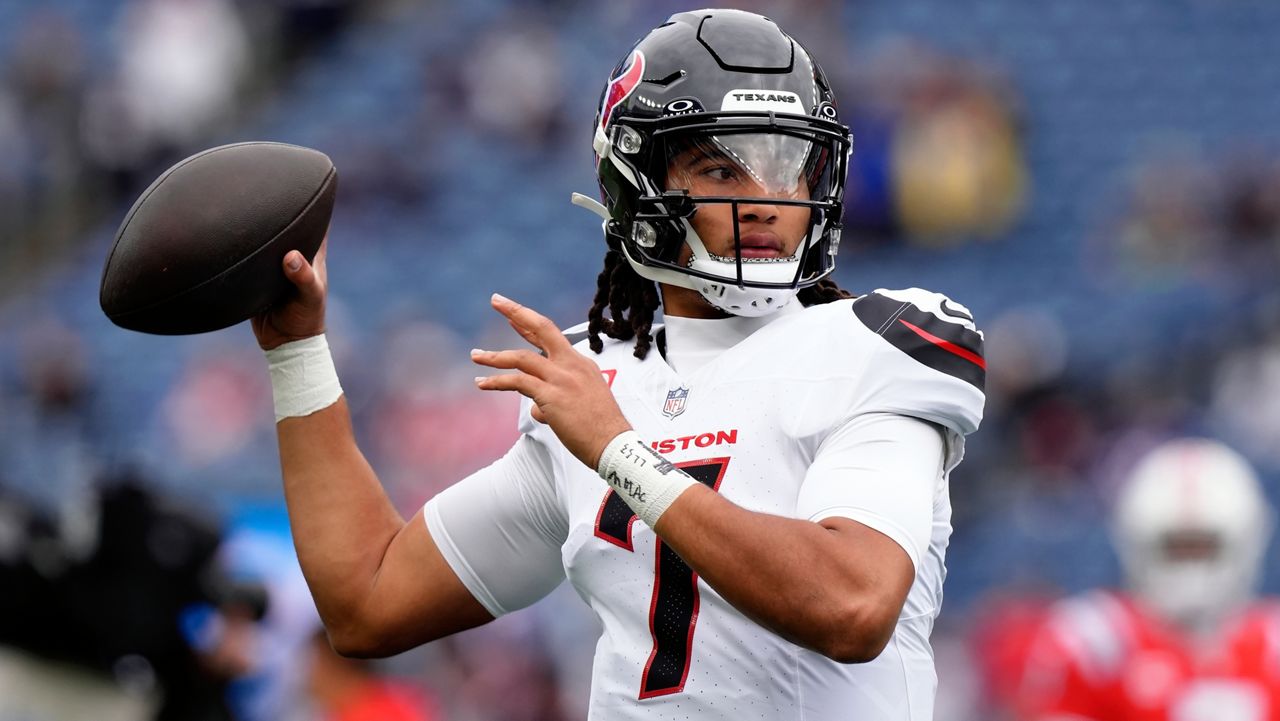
257, 550
47, 83
514, 82
216, 408
430, 427
1253, 205
1246, 396
1171, 229
13, 189
44, 89
1252, 217
957, 157
182, 68
1029, 347
49, 434
305, 26
182, 64
1190, 220
289, 672
943, 153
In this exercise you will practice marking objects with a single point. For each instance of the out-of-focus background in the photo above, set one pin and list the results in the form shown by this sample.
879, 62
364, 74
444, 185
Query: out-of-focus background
1098, 181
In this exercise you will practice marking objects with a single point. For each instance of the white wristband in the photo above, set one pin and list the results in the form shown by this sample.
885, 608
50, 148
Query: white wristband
303, 379
644, 479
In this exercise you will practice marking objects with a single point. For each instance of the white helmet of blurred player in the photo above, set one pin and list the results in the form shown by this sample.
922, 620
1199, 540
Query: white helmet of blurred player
1191, 527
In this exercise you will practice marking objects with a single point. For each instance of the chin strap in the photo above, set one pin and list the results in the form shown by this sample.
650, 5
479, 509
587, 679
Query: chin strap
591, 204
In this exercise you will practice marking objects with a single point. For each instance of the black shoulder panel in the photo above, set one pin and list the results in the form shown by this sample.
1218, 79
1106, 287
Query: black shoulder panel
946, 347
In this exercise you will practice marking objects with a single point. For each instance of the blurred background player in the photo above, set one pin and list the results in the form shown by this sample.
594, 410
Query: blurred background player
1185, 640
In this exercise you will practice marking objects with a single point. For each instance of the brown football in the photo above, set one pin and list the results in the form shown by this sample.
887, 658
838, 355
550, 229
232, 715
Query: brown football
202, 248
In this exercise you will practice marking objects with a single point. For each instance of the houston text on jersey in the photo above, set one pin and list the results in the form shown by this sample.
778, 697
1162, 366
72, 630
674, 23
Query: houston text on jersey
700, 440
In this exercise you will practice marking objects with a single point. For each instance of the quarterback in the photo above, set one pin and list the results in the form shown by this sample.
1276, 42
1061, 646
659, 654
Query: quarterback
751, 495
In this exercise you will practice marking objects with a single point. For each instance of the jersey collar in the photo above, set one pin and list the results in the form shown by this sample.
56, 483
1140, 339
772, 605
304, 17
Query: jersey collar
687, 344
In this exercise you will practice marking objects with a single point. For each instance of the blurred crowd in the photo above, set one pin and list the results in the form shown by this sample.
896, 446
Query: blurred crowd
1125, 302
96, 98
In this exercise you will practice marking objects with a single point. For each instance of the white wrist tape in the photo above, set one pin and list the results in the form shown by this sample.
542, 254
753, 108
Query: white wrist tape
648, 482
303, 379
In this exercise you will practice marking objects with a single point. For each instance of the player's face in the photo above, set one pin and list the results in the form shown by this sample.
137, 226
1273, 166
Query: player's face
757, 167
1190, 546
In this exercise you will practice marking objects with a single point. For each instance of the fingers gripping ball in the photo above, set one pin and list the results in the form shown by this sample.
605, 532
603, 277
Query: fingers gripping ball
202, 248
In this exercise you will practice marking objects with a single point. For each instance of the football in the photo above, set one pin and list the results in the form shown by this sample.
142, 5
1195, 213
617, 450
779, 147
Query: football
202, 248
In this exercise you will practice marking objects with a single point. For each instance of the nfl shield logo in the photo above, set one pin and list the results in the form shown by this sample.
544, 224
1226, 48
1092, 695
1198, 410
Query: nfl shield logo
675, 402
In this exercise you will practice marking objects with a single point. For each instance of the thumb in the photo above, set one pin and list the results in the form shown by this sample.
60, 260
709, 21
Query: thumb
303, 275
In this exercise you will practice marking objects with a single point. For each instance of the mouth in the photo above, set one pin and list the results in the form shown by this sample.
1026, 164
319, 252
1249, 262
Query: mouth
761, 245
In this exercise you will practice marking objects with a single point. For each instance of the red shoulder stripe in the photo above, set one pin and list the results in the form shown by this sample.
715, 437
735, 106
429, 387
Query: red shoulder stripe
947, 345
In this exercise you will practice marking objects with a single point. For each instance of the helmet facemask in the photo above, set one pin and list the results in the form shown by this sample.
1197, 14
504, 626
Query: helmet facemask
766, 187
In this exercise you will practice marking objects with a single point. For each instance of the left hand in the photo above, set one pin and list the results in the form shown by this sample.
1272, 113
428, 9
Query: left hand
568, 392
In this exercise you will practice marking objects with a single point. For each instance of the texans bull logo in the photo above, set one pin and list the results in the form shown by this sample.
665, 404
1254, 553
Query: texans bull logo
621, 87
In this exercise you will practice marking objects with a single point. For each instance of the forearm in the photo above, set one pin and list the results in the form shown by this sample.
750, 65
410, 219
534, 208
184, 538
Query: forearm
342, 520
800, 579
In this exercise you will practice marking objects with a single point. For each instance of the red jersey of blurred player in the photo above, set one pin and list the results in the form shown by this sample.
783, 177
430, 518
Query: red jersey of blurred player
1186, 642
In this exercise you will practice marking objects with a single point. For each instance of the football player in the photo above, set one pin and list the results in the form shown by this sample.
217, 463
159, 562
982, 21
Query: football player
1186, 642
752, 496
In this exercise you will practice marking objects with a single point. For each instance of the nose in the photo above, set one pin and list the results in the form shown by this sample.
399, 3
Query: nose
757, 210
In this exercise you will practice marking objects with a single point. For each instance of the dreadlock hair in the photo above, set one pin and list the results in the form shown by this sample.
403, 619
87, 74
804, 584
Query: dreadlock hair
822, 292
620, 289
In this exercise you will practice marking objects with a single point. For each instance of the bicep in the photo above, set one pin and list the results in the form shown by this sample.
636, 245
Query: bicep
416, 596
487, 545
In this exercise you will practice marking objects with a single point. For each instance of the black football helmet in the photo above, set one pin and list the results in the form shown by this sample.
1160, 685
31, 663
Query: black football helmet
730, 86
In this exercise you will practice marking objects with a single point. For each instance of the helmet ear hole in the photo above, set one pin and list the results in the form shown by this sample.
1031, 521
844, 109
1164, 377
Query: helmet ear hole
643, 234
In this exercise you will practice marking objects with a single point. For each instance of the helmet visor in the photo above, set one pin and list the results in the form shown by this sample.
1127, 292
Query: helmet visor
746, 165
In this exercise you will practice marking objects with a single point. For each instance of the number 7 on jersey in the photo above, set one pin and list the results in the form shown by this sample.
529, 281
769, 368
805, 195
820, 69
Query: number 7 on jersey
673, 611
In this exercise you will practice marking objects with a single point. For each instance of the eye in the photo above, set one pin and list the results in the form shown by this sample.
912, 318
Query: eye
722, 173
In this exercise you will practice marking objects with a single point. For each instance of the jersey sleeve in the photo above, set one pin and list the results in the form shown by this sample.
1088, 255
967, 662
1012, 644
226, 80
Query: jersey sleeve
928, 361
501, 529
883, 471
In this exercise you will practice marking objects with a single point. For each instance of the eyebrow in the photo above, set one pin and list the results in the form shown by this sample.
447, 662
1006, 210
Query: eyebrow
695, 156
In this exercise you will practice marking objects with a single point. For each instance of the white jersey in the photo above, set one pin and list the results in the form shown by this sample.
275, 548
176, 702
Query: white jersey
833, 410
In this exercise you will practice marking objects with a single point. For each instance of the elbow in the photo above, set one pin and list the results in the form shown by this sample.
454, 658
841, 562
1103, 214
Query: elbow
350, 643
351, 639
855, 650
860, 634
